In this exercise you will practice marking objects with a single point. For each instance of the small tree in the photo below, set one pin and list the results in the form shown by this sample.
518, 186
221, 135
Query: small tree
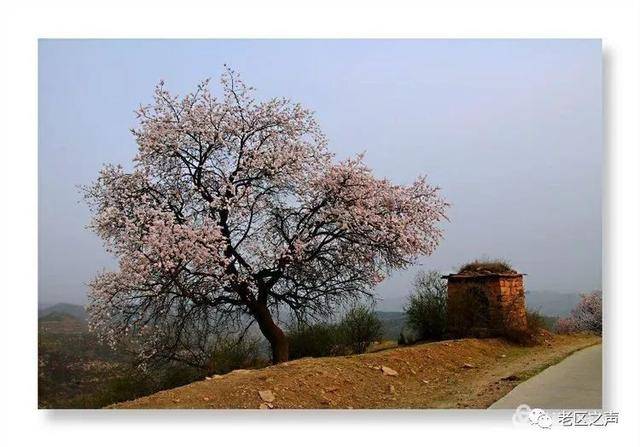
427, 308
236, 209
359, 328
587, 316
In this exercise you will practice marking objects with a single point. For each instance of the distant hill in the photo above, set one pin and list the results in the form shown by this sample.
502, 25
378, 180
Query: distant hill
73, 310
552, 303
392, 323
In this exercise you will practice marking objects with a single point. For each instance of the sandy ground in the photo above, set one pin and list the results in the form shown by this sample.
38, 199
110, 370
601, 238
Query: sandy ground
468, 373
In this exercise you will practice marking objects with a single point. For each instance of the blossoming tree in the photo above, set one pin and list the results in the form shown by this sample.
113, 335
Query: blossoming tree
235, 207
587, 315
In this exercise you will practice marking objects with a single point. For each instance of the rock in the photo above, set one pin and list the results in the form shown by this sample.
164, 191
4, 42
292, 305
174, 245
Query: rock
206, 399
267, 395
386, 371
331, 389
425, 381
391, 389
503, 356
511, 378
264, 406
468, 366
176, 401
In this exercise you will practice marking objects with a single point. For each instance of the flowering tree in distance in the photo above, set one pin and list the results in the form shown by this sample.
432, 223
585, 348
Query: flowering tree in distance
235, 207
587, 315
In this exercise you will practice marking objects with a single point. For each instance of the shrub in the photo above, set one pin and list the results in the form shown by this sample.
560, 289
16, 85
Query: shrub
548, 322
427, 308
313, 340
531, 335
359, 328
487, 265
537, 322
524, 337
408, 336
352, 335
587, 316
233, 353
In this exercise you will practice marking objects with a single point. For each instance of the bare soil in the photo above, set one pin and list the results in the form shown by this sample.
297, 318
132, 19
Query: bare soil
467, 373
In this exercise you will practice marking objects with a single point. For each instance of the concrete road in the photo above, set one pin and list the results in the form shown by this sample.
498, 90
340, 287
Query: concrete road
574, 383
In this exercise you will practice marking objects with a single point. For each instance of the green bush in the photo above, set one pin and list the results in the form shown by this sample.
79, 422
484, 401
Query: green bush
313, 340
359, 328
427, 308
352, 335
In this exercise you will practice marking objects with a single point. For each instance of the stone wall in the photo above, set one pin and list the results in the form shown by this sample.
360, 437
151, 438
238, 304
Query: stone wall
485, 305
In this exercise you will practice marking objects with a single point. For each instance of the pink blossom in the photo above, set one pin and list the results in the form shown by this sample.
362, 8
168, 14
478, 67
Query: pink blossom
236, 205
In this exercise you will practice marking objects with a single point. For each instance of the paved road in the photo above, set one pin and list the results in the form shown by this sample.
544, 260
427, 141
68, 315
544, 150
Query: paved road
575, 382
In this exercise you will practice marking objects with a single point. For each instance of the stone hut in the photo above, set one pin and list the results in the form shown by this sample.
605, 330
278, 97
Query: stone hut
485, 299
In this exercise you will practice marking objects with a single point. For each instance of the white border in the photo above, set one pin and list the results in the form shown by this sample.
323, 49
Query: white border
616, 22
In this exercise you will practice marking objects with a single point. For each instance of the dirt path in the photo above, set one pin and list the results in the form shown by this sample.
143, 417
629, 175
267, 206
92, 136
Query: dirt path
467, 373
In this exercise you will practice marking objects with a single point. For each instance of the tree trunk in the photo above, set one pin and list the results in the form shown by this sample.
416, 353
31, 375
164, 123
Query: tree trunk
276, 337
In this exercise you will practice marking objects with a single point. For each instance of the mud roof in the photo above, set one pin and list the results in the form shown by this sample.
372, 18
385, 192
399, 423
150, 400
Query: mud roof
483, 275
486, 268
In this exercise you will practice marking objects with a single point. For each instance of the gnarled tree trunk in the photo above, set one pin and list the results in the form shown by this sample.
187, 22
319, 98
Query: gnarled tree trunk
276, 337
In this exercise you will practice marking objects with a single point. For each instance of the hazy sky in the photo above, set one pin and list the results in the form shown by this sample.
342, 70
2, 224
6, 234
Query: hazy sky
511, 130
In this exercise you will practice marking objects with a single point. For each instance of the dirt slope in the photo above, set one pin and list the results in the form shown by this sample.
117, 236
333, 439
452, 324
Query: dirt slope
467, 373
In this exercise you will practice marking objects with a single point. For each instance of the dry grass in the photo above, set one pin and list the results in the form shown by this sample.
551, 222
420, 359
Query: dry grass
487, 266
